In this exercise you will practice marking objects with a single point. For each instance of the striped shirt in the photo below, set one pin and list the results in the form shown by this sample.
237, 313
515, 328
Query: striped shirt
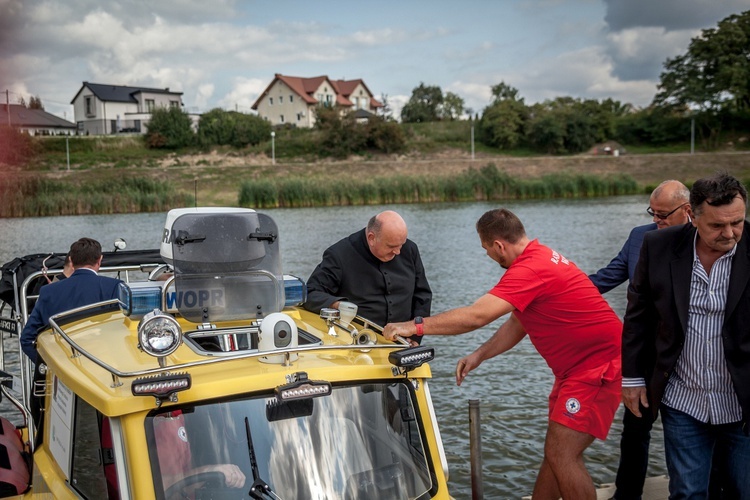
700, 384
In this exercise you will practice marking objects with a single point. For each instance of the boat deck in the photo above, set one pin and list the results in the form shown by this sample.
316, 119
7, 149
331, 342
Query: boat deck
655, 488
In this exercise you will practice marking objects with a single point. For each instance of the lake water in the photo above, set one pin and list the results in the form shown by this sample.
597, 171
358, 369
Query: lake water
512, 388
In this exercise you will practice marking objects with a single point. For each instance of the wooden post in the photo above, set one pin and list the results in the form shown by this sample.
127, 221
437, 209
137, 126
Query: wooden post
475, 443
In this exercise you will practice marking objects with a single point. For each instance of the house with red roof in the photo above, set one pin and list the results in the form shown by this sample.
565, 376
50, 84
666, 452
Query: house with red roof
111, 109
293, 99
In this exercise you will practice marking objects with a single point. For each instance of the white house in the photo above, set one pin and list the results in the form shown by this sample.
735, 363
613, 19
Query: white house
110, 109
292, 99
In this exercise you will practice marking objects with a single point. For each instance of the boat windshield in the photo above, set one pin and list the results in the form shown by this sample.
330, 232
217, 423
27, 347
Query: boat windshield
361, 442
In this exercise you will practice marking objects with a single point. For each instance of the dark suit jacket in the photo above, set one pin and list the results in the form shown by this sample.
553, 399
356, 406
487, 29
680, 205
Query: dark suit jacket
82, 288
385, 292
622, 267
657, 313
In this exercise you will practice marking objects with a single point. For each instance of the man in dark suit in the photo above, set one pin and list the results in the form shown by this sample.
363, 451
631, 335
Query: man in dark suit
82, 288
378, 269
686, 339
669, 205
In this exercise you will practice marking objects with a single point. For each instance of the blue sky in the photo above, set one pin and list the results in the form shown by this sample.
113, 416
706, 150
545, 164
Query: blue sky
223, 53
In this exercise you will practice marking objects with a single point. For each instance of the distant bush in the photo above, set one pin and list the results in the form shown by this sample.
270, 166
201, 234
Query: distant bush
169, 128
386, 137
656, 126
219, 127
16, 148
341, 135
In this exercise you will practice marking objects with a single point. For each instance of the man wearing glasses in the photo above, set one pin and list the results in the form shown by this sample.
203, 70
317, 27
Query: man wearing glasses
669, 205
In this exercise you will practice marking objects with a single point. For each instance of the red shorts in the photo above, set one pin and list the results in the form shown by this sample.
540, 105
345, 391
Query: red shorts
587, 401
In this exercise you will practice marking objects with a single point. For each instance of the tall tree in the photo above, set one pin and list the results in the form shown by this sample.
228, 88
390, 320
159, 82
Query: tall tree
502, 92
35, 102
503, 122
713, 75
386, 110
453, 106
424, 104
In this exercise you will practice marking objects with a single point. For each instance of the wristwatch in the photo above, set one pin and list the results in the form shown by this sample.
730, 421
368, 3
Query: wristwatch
419, 323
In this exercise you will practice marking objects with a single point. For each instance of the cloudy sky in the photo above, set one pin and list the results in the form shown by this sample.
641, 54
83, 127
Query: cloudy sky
223, 53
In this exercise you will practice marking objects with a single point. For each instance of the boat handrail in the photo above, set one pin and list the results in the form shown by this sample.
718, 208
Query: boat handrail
77, 350
112, 269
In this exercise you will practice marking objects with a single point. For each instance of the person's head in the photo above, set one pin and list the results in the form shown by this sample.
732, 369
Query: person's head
85, 252
719, 206
500, 232
669, 204
386, 234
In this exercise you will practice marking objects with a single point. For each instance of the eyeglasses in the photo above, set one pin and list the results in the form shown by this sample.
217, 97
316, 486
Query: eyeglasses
651, 212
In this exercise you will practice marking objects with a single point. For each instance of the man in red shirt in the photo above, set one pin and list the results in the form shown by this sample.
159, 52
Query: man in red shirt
570, 324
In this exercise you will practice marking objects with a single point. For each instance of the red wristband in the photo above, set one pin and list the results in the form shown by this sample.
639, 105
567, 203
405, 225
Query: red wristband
418, 323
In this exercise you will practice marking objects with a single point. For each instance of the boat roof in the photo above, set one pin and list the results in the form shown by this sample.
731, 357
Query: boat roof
112, 339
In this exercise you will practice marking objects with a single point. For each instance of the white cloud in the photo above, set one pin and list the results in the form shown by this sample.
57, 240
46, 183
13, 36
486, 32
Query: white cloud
244, 93
476, 96
397, 103
585, 73
224, 52
639, 53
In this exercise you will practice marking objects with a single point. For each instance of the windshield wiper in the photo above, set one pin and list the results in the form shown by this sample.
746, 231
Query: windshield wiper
184, 237
260, 488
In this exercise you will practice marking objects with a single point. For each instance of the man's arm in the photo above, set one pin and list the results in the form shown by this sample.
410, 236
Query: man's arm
638, 336
455, 321
505, 338
615, 273
31, 329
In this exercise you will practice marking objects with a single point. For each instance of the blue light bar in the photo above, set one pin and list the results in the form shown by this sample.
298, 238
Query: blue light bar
295, 291
137, 299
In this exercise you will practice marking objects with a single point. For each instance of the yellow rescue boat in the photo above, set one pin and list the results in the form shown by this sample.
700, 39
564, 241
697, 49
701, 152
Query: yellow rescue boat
207, 379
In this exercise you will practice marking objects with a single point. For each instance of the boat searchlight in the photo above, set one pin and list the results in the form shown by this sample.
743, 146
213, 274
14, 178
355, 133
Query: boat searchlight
163, 387
411, 357
159, 334
298, 386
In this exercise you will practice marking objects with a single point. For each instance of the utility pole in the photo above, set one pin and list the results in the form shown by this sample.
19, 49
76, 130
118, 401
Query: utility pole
692, 136
7, 105
472, 143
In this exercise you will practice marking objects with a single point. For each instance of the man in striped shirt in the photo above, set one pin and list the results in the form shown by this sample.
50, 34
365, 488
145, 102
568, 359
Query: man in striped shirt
686, 339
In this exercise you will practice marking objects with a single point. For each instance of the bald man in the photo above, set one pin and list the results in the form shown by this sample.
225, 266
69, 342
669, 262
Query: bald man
378, 268
669, 205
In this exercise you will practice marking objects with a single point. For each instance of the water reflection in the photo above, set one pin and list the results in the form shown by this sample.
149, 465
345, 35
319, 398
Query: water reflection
512, 388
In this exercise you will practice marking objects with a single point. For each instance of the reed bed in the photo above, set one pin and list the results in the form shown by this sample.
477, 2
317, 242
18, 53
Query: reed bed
487, 183
34, 197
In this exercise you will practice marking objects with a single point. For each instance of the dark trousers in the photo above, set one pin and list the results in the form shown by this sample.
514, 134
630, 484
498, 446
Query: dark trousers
634, 444
636, 438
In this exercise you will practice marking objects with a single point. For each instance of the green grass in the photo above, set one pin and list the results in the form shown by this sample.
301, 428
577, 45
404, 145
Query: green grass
90, 152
